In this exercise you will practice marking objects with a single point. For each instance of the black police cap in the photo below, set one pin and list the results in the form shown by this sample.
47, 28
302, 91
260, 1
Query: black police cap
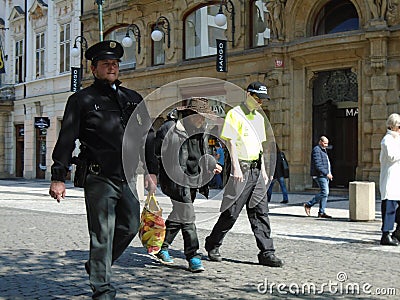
259, 89
105, 50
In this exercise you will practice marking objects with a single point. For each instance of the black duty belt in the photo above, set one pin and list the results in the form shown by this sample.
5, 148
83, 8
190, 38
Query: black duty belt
250, 164
95, 169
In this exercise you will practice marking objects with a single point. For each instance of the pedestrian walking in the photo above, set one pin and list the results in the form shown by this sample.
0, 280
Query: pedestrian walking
388, 181
220, 157
97, 117
321, 173
281, 172
244, 132
185, 168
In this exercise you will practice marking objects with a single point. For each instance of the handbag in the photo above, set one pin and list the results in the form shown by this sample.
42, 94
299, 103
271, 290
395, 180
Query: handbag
285, 165
152, 225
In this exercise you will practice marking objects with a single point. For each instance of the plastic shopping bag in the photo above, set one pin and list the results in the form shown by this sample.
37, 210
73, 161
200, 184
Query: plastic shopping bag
152, 225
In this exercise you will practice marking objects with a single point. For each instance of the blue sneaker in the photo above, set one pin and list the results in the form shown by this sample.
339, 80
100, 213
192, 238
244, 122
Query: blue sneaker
164, 257
195, 265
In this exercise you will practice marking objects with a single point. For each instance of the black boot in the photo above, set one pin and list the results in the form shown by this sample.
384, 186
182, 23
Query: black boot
387, 240
269, 259
396, 234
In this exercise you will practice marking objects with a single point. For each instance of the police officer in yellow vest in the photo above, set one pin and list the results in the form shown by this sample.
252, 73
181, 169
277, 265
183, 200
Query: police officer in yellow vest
244, 132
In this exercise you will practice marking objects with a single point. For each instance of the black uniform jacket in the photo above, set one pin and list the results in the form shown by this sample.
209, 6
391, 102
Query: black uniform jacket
97, 116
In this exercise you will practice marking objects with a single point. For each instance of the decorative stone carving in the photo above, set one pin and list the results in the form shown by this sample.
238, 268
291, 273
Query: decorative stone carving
64, 9
276, 9
377, 8
378, 50
38, 14
393, 12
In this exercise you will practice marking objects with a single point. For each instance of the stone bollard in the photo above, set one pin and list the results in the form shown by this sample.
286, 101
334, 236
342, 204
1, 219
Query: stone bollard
362, 201
140, 186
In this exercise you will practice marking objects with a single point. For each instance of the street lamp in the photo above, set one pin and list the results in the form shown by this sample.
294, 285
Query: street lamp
220, 18
100, 10
127, 41
75, 52
76, 73
158, 32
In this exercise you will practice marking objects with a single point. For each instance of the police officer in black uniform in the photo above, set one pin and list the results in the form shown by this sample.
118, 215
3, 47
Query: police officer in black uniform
97, 116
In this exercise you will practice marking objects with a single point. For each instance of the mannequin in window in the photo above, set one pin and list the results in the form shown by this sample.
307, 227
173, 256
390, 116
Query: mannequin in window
378, 8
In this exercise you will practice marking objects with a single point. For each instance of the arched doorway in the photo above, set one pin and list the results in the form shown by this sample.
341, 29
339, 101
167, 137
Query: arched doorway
335, 114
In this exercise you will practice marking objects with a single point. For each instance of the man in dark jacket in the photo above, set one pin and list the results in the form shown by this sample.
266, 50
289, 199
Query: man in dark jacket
97, 116
321, 172
184, 168
281, 172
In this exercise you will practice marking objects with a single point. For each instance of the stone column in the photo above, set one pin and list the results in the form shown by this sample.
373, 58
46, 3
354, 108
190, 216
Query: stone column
5, 110
377, 110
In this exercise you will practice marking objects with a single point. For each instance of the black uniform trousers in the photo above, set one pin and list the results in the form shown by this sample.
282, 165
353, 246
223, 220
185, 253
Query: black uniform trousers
253, 194
113, 214
189, 231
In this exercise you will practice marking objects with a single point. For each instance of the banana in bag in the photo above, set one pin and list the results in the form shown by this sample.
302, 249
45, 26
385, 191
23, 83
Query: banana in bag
152, 226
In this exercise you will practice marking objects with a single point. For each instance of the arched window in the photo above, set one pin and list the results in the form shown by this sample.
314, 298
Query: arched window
128, 61
336, 16
201, 32
260, 33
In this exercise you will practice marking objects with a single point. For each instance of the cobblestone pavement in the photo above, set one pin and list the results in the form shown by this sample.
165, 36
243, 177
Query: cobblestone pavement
44, 245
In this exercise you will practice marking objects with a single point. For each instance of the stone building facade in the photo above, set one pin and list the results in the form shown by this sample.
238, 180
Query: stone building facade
332, 68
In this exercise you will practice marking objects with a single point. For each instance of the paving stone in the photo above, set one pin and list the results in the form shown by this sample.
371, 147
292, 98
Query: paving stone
44, 245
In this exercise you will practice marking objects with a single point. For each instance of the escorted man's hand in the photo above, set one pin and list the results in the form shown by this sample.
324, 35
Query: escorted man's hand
57, 190
150, 183
218, 169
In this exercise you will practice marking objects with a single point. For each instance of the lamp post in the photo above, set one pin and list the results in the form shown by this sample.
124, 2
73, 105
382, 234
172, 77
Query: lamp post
76, 73
158, 32
100, 10
127, 41
220, 18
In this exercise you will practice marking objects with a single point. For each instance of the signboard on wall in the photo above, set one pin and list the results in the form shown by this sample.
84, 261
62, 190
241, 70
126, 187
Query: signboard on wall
221, 56
348, 112
75, 79
42, 122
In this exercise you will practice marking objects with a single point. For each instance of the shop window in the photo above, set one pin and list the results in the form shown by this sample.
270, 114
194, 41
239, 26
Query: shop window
201, 32
260, 31
336, 16
41, 152
19, 150
128, 61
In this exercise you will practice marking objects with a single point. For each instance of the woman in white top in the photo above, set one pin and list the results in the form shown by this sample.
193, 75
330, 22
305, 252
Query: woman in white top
389, 179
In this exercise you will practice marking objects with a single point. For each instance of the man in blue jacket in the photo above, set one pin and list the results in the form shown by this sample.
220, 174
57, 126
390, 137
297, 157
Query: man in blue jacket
321, 172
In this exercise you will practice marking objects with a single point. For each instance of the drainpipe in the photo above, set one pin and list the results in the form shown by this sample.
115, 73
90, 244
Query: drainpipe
25, 46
